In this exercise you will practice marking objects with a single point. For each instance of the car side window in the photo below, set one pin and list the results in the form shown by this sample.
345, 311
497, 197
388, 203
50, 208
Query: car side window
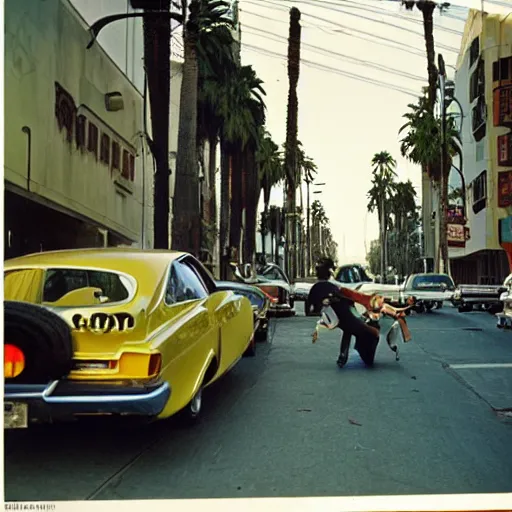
183, 285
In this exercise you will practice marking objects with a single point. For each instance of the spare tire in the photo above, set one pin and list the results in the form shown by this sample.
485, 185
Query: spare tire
45, 339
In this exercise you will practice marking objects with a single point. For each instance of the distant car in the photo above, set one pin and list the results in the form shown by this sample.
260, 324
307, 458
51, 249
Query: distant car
430, 290
468, 297
274, 282
505, 316
260, 302
121, 332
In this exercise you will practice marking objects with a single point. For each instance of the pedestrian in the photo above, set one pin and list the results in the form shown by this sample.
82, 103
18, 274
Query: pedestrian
342, 301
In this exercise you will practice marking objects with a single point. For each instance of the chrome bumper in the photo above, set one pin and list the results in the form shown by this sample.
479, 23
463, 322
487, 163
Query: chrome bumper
60, 399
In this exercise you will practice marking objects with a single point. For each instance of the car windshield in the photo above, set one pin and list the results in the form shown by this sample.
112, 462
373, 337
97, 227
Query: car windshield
432, 281
270, 274
98, 286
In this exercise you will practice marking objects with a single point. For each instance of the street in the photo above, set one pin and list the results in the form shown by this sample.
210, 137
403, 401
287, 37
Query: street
290, 423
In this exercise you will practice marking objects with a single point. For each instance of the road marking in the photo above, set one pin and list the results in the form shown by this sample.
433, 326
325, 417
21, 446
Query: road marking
483, 365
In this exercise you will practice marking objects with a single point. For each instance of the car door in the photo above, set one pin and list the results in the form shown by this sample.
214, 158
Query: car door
233, 317
191, 336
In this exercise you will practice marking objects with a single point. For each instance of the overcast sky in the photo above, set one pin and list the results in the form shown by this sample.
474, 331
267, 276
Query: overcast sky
343, 119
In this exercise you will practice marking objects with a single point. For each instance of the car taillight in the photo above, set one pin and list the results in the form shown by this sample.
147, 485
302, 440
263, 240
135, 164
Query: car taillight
272, 291
14, 361
270, 297
155, 364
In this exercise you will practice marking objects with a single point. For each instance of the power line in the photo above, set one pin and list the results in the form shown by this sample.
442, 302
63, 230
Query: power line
331, 53
323, 67
278, 7
412, 50
379, 10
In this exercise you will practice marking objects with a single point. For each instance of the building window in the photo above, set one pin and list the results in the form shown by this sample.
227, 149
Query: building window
105, 149
132, 167
116, 150
65, 111
502, 69
479, 119
477, 82
92, 139
126, 165
480, 192
80, 132
474, 51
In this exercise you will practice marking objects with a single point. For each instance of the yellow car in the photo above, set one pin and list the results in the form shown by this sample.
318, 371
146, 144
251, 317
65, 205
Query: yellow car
116, 332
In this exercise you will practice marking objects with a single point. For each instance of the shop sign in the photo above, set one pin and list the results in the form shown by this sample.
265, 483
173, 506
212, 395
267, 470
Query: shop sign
505, 149
502, 106
456, 235
455, 214
504, 189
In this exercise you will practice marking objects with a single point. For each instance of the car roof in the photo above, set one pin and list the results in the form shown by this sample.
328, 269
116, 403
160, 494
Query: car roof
146, 266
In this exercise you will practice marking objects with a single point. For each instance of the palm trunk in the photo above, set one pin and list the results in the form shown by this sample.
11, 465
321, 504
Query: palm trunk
212, 168
251, 215
236, 205
427, 8
443, 238
382, 242
291, 138
157, 59
186, 208
224, 208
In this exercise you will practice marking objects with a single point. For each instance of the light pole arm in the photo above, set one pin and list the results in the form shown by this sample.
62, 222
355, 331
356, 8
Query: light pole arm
99, 25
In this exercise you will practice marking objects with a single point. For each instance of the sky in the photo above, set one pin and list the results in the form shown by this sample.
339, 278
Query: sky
343, 119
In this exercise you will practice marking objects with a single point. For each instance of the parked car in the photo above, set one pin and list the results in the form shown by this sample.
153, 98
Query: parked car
484, 297
260, 302
116, 332
273, 281
504, 317
430, 290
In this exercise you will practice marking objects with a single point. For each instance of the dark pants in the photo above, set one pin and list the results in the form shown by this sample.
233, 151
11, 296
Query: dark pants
366, 337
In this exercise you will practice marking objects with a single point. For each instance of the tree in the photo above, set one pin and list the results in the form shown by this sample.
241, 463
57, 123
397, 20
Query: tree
216, 61
242, 110
422, 145
271, 173
204, 15
383, 187
291, 138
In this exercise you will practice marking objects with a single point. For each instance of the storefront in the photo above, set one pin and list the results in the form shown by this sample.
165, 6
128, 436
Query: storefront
505, 231
33, 225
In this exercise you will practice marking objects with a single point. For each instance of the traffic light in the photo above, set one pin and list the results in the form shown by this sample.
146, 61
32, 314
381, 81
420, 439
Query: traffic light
154, 5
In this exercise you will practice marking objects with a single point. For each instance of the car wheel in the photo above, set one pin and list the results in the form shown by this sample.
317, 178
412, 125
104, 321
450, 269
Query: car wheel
250, 351
420, 309
192, 411
44, 338
292, 302
262, 335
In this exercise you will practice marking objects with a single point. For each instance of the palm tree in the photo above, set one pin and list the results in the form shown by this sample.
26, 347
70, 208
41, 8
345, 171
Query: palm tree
242, 110
422, 145
271, 173
216, 61
157, 59
276, 226
204, 15
291, 135
427, 8
383, 187
403, 206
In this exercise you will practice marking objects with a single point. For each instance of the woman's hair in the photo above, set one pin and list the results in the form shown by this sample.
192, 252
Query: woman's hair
324, 267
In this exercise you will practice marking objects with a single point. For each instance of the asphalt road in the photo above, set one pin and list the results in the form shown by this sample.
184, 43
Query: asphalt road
290, 423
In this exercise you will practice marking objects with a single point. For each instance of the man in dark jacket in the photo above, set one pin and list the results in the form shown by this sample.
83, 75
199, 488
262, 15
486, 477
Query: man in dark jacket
350, 322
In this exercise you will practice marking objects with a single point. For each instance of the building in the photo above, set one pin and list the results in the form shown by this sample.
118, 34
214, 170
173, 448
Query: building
78, 171
480, 218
